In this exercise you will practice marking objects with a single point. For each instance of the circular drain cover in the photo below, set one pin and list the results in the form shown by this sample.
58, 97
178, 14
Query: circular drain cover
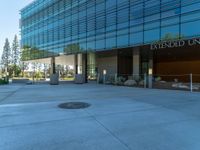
74, 105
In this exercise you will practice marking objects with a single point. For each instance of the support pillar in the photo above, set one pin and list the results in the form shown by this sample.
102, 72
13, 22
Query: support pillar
84, 67
54, 77
136, 63
53, 66
81, 76
75, 64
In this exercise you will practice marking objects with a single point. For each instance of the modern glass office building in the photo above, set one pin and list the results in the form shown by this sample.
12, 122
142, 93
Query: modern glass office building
120, 36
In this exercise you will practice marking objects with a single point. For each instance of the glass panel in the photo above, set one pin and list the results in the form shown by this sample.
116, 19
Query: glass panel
136, 38
111, 42
170, 32
190, 29
151, 35
122, 40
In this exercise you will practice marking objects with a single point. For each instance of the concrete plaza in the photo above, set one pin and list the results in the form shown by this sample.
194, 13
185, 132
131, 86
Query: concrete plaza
119, 118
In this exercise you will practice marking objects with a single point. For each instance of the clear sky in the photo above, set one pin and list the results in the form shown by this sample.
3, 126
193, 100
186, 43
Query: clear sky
9, 19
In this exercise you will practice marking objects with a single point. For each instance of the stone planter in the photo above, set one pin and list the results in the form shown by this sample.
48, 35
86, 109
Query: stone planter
54, 79
79, 79
20, 81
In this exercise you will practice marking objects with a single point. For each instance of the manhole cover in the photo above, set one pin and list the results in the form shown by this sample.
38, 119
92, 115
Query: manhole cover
74, 105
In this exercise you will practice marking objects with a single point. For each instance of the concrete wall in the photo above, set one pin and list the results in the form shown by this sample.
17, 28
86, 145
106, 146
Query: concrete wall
136, 61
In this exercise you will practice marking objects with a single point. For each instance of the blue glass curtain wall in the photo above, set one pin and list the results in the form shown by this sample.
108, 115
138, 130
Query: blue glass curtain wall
51, 27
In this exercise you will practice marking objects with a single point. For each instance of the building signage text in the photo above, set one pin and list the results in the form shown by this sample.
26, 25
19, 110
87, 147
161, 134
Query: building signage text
173, 44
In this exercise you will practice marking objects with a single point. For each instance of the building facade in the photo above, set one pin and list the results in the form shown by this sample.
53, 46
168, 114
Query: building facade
119, 36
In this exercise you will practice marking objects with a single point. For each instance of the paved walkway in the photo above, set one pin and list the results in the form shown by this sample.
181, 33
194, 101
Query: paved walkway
120, 118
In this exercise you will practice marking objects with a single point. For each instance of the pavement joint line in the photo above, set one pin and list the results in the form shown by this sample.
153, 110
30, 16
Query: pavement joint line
109, 131
11, 94
123, 112
29, 103
6, 92
46, 122
56, 97
47, 99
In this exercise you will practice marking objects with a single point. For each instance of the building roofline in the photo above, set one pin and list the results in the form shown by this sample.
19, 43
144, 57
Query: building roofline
31, 3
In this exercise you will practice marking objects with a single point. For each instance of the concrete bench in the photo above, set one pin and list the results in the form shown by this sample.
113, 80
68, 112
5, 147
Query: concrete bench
21, 81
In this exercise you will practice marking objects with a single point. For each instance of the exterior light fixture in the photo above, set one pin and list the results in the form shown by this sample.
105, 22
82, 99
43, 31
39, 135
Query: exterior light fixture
104, 72
150, 71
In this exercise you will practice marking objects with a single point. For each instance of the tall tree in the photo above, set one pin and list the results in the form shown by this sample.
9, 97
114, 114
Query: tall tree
15, 55
6, 55
15, 51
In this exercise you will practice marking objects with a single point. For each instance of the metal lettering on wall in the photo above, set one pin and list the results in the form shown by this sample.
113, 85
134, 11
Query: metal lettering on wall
173, 44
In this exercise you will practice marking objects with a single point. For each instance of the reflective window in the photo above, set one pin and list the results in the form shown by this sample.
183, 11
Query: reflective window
51, 27
151, 35
170, 32
122, 40
136, 38
190, 29
111, 42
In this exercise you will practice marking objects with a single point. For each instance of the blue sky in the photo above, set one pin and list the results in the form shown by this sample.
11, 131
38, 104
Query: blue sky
9, 19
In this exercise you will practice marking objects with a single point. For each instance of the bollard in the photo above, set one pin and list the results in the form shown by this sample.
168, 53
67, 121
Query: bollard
115, 78
104, 79
98, 78
150, 77
191, 84
145, 80
104, 76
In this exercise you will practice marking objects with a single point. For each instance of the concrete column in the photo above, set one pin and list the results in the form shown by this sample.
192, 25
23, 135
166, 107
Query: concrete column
81, 69
53, 66
84, 66
79, 63
136, 63
75, 64
54, 77
91, 64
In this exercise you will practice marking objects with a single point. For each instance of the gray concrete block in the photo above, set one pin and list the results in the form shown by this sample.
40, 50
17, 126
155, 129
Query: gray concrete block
22, 81
79, 79
54, 79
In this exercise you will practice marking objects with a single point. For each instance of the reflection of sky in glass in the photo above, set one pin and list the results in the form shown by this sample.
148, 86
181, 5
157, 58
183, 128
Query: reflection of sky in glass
110, 24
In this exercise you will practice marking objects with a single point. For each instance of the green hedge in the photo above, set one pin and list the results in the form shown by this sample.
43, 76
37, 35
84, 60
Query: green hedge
4, 81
